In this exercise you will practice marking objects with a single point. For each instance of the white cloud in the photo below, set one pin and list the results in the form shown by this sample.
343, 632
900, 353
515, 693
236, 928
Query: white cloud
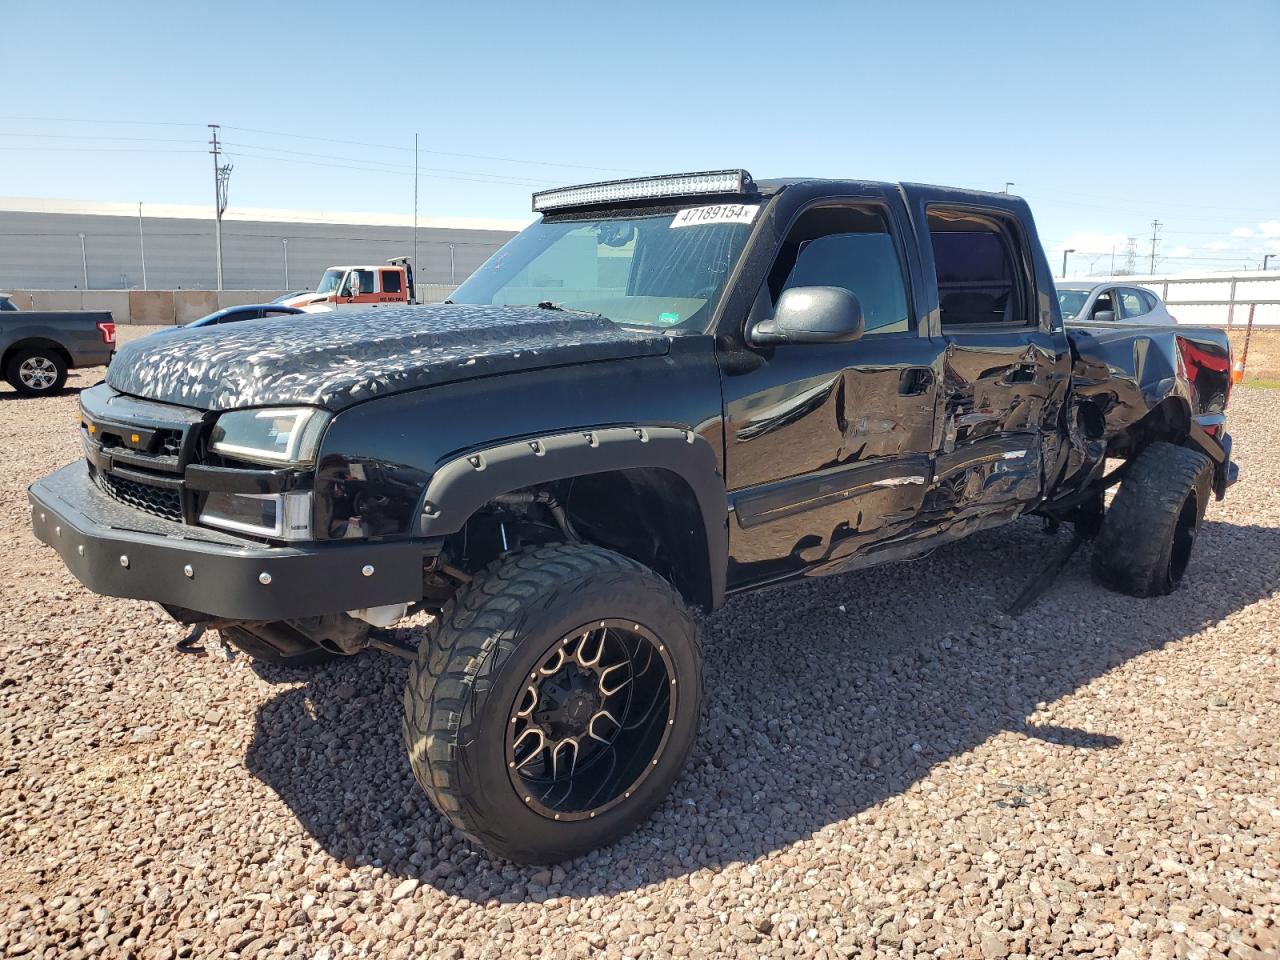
1270, 228
1092, 241
1180, 251
1220, 245
1242, 232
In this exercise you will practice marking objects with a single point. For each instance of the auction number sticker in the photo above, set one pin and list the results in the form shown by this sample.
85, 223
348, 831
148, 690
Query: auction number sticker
716, 213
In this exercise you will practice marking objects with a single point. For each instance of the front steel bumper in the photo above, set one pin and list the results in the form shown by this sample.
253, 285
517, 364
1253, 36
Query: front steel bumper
123, 552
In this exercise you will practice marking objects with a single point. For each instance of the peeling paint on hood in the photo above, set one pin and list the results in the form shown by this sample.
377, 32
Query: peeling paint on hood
337, 359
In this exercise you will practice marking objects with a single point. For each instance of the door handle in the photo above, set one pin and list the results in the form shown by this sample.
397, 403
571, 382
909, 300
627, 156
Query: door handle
914, 381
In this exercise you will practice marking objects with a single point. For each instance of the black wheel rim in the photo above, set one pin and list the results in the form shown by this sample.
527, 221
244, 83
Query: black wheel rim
1184, 537
591, 720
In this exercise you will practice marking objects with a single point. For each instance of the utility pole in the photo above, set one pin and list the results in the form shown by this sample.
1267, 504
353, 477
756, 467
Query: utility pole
142, 247
84, 263
415, 205
221, 178
1064, 259
1155, 233
1113, 260
1007, 185
1267, 257
284, 243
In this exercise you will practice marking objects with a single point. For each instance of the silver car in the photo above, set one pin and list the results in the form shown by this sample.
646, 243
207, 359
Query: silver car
1084, 302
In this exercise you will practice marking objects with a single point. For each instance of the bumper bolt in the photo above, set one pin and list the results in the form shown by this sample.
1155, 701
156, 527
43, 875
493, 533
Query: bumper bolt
188, 571
367, 570
124, 560
264, 578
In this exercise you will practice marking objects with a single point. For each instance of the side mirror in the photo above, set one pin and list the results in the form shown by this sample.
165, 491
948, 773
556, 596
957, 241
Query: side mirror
812, 315
1104, 316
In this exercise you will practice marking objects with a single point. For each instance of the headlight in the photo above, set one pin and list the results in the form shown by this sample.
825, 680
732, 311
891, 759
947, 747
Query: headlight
285, 435
286, 516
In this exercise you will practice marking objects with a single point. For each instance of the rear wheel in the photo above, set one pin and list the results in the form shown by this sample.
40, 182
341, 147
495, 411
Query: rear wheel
555, 703
1148, 533
37, 371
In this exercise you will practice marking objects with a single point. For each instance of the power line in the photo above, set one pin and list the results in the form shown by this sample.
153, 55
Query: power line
124, 123
405, 173
85, 136
441, 153
396, 167
104, 149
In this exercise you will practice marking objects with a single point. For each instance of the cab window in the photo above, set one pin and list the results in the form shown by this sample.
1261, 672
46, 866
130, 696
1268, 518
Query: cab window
390, 281
850, 248
981, 272
367, 279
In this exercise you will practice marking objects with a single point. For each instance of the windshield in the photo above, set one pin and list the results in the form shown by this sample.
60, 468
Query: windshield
666, 270
329, 282
1070, 302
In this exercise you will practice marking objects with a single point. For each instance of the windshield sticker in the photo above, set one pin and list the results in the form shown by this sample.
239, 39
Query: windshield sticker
668, 319
718, 213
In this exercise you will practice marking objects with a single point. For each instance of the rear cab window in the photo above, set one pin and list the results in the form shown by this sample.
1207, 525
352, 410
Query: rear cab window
982, 268
390, 281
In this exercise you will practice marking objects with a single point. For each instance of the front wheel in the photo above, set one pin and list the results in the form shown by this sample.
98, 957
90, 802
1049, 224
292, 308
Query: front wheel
555, 703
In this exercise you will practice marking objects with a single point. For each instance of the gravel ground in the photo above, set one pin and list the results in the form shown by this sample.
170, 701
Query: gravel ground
888, 767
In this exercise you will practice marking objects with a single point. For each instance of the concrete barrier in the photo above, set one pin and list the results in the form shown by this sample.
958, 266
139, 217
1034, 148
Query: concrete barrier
159, 307
150, 307
191, 305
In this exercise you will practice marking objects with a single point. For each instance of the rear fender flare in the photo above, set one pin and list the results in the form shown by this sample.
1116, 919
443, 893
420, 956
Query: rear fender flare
463, 485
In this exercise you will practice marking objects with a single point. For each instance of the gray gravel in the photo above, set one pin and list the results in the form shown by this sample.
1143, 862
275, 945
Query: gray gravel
888, 767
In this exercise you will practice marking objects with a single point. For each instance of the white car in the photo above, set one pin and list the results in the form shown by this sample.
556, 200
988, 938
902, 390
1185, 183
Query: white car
1084, 302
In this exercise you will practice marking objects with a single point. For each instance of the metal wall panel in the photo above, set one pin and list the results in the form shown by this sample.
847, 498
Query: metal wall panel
42, 251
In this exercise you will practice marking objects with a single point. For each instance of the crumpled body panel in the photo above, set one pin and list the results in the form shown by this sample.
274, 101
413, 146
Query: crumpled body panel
338, 359
1128, 369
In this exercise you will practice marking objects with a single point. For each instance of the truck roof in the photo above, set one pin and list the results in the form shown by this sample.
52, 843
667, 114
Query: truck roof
713, 185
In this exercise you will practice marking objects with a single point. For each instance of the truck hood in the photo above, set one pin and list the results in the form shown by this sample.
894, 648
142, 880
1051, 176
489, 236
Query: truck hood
337, 359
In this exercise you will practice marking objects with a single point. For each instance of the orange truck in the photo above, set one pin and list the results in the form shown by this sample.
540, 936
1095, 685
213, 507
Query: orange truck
361, 287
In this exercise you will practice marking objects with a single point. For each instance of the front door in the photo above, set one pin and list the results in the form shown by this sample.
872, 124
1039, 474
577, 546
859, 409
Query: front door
828, 446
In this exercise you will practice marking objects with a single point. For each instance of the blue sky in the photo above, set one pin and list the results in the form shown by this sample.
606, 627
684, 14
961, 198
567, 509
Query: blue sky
1104, 115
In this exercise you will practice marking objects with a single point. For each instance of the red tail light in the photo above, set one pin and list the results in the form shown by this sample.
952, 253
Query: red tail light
108, 331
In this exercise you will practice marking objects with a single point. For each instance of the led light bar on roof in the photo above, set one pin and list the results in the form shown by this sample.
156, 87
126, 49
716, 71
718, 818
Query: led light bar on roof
645, 188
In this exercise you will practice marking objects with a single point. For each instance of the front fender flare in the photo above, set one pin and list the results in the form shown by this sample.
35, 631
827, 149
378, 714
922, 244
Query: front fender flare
463, 485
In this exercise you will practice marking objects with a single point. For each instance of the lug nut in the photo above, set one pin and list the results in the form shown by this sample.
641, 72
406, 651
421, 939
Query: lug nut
124, 560
188, 571
367, 570
264, 578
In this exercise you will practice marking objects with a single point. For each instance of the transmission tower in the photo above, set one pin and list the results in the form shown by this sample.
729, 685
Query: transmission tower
1130, 256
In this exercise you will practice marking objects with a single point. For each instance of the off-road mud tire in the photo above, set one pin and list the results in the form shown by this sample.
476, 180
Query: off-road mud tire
1149, 530
461, 690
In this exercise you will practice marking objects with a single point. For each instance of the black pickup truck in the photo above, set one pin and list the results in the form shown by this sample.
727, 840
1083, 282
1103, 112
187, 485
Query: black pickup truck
37, 348
663, 392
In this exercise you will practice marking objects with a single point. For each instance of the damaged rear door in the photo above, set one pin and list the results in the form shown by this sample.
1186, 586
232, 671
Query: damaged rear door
1007, 363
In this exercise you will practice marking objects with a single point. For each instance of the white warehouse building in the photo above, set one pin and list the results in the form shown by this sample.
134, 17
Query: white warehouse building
75, 244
